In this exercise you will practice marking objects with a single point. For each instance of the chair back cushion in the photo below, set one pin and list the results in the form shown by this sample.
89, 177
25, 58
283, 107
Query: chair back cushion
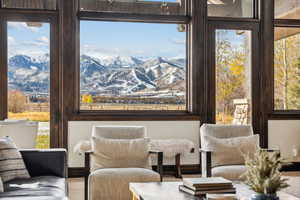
119, 132
120, 153
224, 131
231, 151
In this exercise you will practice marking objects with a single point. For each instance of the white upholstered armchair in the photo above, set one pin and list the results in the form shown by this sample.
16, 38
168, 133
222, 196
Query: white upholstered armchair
222, 149
119, 155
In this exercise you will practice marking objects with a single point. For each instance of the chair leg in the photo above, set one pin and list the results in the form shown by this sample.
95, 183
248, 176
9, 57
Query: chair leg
86, 189
178, 166
160, 165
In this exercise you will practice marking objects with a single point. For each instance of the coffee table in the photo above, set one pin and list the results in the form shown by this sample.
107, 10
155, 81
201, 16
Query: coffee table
170, 191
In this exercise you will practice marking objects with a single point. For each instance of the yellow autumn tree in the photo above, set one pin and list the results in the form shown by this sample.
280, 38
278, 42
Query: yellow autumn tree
87, 99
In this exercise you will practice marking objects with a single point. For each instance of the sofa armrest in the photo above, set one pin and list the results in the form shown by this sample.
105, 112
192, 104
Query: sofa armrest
206, 162
46, 162
160, 156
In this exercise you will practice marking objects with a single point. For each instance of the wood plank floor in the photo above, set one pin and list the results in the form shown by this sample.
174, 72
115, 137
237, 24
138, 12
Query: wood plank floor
76, 185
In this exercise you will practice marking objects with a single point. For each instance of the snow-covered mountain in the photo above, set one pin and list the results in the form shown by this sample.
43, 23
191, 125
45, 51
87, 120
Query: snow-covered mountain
116, 75
29, 74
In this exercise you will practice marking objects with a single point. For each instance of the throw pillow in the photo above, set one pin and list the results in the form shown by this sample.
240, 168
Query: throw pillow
1, 186
120, 153
11, 162
231, 151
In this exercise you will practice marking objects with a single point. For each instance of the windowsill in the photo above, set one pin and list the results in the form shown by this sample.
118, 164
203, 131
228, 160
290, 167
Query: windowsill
284, 115
133, 116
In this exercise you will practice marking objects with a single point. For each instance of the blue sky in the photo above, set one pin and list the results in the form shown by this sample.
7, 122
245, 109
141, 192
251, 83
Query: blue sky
131, 39
110, 39
236, 40
23, 39
104, 39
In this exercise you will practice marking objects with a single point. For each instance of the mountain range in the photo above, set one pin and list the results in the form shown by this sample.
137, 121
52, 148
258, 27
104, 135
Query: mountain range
110, 76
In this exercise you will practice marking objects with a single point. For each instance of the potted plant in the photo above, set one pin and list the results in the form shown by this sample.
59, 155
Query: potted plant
263, 175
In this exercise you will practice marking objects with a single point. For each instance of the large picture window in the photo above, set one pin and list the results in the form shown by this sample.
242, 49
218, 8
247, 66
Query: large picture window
287, 68
132, 66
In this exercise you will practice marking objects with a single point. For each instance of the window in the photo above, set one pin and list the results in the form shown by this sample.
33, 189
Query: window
156, 7
233, 76
132, 66
29, 75
287, 9
287, 68
30, 4
230, 8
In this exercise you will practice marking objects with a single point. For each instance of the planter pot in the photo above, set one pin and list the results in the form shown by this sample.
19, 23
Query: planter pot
264, 197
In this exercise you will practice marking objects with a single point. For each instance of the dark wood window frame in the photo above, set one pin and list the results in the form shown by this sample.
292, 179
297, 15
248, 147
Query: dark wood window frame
255, 67
259, 25
194, 105
283, 114
141, 7
51, 17
255, 13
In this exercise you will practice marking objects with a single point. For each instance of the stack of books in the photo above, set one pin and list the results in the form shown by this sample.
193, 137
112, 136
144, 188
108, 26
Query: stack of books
203, 186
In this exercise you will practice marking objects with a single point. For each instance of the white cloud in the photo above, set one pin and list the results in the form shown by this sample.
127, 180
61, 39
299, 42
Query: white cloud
40, 42
100, 52
11, 40
178, 41
43, 39
31, 48
96, 51
22, 26
32, 52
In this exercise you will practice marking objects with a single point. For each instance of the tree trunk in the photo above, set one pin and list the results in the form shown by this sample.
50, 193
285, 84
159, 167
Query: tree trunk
285, 76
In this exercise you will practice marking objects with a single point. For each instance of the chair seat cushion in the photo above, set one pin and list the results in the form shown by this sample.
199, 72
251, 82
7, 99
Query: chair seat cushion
113, 183
44, 187
231, 172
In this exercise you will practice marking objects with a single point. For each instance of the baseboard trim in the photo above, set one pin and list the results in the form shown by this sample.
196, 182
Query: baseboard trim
77, 172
